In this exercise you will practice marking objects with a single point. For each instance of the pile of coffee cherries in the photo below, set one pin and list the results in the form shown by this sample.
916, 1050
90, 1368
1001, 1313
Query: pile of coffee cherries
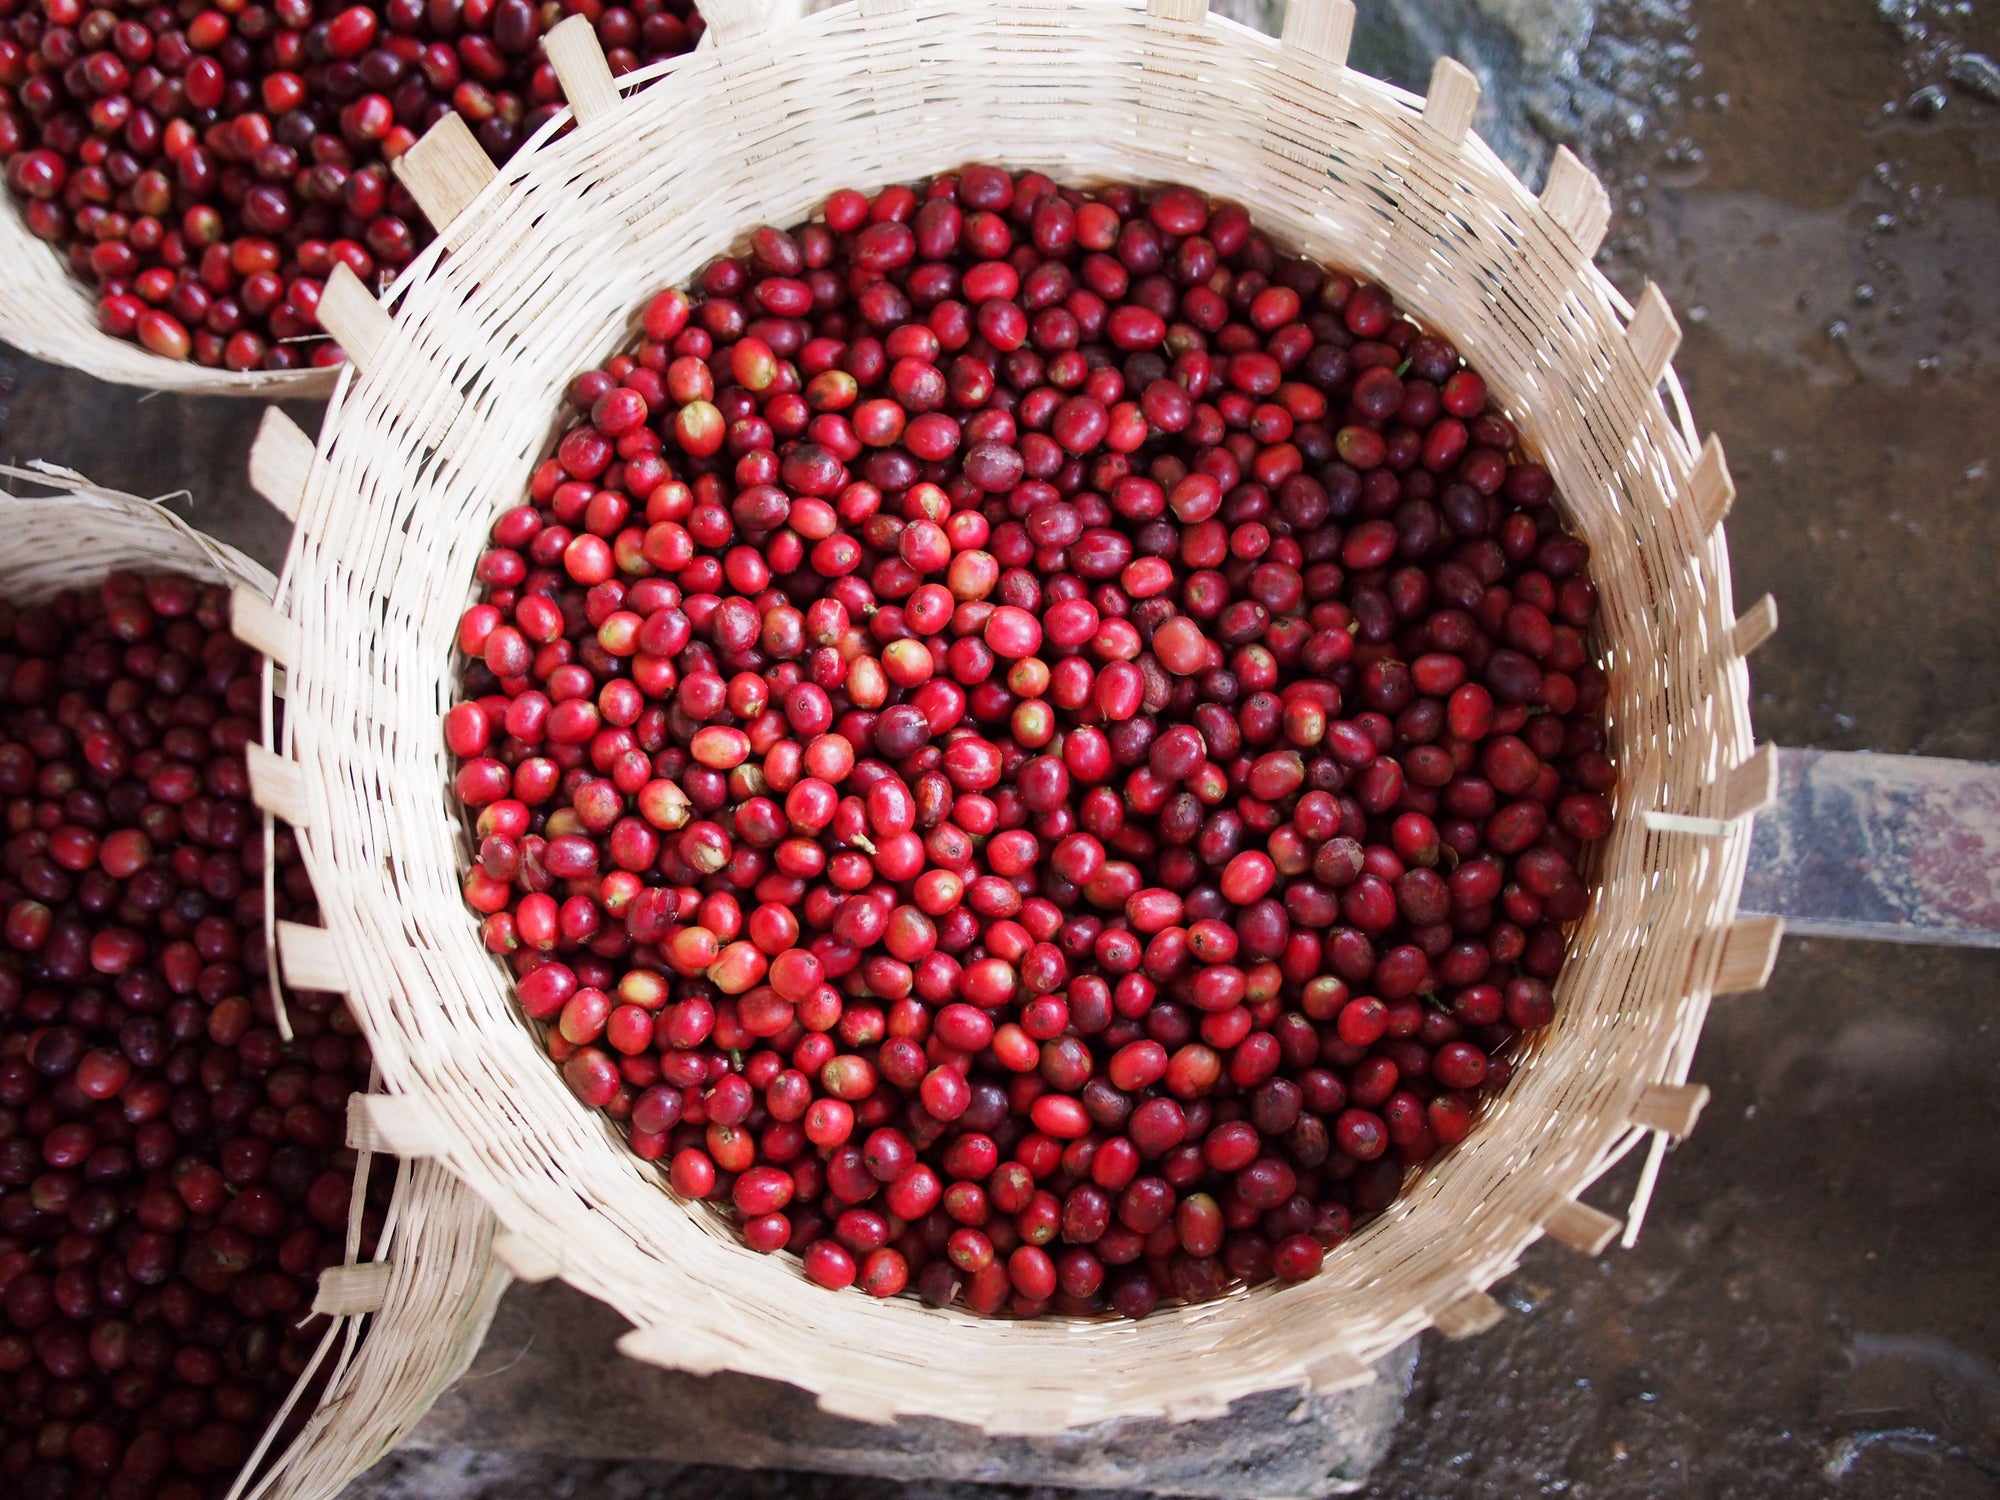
1033, 745
172, 1173
205, 166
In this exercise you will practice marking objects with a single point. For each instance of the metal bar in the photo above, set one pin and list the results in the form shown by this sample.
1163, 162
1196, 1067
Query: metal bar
1884, 848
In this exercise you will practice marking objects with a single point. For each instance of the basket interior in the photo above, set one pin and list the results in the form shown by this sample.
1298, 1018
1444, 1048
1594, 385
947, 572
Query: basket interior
553, 262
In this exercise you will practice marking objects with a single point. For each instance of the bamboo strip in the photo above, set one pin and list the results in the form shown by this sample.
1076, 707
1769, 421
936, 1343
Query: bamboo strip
1196, 1409
1454, 95
347, 1290
1755, 626
1574, 198
1710, 486
256, 622
280, 462
527, 1260
1320, 29
1653, 335
1584, 1229
445, 171
578, 58
1339, 1372
1753, 786
1670, 1108
1749, 954
1750, 788
1471, 1314
311, 958
1642, 1195
1666, 822
277, 785
395, 1123
349, 312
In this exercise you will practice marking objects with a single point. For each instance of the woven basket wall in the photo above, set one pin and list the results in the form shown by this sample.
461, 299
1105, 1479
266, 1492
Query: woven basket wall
48, 313
453, 399
428, 1309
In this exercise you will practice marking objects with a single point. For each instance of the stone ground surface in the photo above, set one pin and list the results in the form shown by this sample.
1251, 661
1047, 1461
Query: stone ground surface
1810, 1311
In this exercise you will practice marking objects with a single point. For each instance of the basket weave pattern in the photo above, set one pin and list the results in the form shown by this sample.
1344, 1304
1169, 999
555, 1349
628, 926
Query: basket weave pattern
449, 406
381, 1369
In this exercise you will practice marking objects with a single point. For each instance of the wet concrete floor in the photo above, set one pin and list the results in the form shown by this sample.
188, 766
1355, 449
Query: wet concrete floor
1811, 1310
1830, 252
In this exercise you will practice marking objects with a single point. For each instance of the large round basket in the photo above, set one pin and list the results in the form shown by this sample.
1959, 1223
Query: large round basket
407, 1318
453, 397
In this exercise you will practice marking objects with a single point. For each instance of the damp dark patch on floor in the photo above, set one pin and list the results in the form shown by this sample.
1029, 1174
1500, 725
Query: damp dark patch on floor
1829, 251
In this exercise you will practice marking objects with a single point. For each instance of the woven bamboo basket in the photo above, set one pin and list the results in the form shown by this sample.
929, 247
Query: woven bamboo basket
48, 313
406, 1319
452, 397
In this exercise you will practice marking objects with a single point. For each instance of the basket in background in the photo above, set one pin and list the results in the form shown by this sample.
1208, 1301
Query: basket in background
49, 314
407, 1318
